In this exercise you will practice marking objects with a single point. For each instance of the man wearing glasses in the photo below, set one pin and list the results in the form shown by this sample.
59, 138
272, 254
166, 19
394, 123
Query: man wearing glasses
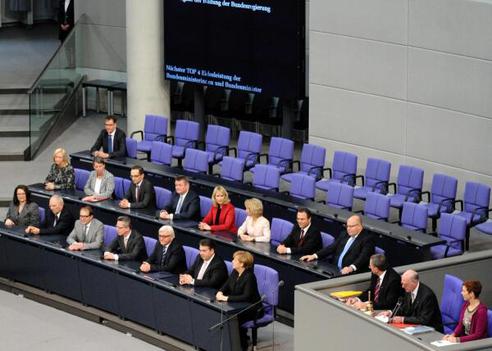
128, 245
351, 250
141, 193
168, 254
87, 233
112, 140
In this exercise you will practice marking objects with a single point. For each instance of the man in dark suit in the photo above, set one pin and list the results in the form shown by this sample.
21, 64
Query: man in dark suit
304, 238
129, 245
420, 305
59, 220
208, 269
168, 254
112, 140
351, 250
185, 203
141, 193
385, 287
66, 18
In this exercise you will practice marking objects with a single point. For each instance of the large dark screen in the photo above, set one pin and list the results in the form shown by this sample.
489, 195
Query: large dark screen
252, 46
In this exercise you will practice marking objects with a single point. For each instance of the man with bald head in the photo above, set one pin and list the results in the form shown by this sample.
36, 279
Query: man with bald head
420, 305
59, 220
351, 251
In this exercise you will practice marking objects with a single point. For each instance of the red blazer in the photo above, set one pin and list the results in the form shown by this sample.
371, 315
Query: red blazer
478, 328
226, 219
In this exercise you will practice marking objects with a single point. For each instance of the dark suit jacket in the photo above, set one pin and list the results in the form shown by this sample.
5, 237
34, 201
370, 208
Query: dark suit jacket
226, 218
119, 143
424, 310
358, 254
65, 17
147, 195
243, 288
174, 261
64, 225
389, 292
215, 275
190, 209
135, 249
312, 241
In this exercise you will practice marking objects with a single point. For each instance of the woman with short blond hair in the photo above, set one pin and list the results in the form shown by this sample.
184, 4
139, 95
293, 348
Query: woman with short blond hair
61, 175
255, 226
221, 216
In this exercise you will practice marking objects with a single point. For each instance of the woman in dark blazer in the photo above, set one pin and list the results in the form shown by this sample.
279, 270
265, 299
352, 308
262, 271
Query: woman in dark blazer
221, 216
242, 287
22, 212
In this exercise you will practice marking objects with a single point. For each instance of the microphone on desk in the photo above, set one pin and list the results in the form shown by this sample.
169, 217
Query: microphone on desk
247, 308
397, 307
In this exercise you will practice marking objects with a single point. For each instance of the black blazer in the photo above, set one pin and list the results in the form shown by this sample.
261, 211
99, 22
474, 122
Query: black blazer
65, 17
424, 310
174, 261
135, 249
119, 143
147, 195
358, 254
190, 209
215, 275
311, 243
243, 288
63, 226
389, 291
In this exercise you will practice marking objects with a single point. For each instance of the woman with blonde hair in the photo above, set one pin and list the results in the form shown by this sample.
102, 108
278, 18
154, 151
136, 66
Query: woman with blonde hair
221, 216
61, 175
255, 227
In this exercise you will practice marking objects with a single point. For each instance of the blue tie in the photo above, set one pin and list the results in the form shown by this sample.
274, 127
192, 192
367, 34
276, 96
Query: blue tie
110, 143
345, 249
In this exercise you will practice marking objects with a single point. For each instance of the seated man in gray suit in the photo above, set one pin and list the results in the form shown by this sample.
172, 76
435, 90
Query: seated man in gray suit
87, 233
128, 245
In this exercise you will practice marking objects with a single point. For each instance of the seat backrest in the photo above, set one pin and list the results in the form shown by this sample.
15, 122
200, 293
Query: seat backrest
249, 145
340, 195
190, 253
109, 234
205, 205
489, 318
81, 177
379, 251
280, 149
155, 127
344, 165
216, 137
149, 244
280, 229
476, 195
377, 171
302, 186
327, 239
121, 186
232, 169
451, 301
42, 215
186, 132
266, 177
240, 216
229, 266
377, 206
267, 279
443, 187
161, 153
131, 147
313, 156
409, 178
162, 197
195, 161
414, 216
452, 228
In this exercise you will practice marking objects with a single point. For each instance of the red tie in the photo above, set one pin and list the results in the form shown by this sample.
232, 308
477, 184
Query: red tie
376, 290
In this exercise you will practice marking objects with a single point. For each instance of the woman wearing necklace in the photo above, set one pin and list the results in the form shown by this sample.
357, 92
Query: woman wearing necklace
242, 287
22, 212
472, 324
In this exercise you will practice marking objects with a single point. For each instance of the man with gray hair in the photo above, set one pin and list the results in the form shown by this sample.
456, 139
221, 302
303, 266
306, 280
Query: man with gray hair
168, 254
128, 245
385, 287
420, 305
59, 220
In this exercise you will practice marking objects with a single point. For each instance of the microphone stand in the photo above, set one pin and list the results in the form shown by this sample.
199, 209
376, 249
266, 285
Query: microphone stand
397, 307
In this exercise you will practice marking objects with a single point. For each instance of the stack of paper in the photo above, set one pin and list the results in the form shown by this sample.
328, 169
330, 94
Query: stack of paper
418, 329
